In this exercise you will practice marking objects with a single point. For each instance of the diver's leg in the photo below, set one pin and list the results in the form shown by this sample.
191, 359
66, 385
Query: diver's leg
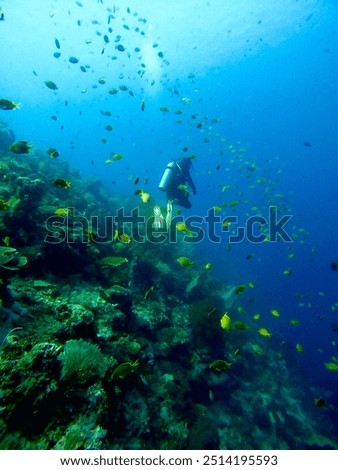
169, 212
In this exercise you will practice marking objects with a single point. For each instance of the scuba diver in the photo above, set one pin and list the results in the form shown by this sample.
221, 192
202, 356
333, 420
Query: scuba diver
174, 181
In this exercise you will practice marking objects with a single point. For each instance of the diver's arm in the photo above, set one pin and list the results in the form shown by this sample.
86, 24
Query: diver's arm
191, 183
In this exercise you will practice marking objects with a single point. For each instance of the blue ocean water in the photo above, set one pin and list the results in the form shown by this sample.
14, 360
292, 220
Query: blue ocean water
249, 90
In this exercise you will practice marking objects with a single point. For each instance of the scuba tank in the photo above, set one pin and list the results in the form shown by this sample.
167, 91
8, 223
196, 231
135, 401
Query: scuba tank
167, 177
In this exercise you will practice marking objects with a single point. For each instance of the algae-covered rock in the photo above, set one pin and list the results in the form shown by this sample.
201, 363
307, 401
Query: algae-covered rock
84, 433
10, 258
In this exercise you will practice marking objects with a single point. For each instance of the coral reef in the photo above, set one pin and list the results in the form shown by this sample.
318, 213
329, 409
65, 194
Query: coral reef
114, 345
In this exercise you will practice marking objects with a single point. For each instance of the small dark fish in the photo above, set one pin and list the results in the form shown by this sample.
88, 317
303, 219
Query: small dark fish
239, 289
142, 105
307, 144
55, 118
320, 403
106, 39
51, 85
57, 55
148, 293
161, 55
73, 60
53, 153
83, 68
8, 105
120, 48
137, 179
334, 266
61, 183
57, 43
79, 4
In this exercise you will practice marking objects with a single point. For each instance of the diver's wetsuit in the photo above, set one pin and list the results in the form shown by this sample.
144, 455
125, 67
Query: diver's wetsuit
181, 177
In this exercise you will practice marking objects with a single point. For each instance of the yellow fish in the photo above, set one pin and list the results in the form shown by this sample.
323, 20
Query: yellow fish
125, 238
219, 365
124, 369
225, 322
63, 211
331, 366
181, 227
256, 316
145, 196
207, 266
275, 313
264, 332
116, 156
299, 348
184, 261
